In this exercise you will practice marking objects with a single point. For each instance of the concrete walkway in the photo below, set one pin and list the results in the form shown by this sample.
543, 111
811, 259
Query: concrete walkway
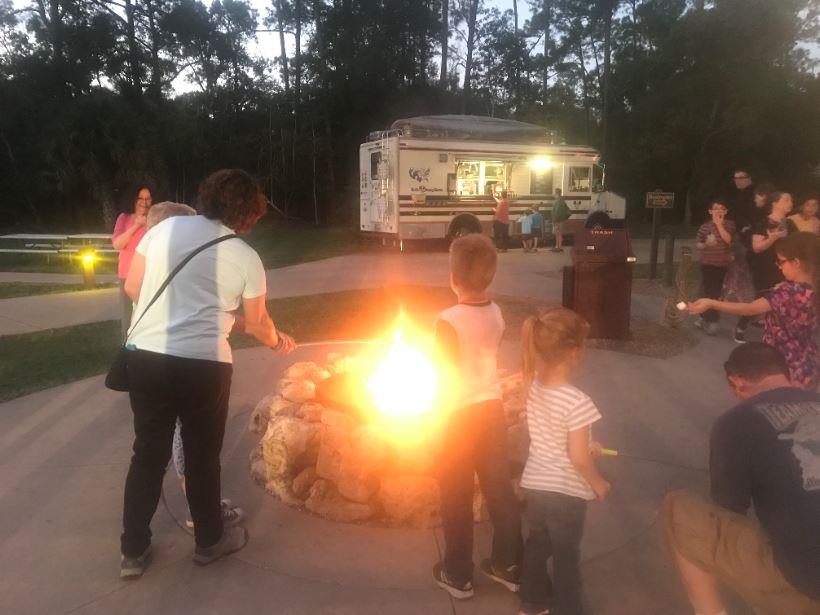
519, 274
64, 454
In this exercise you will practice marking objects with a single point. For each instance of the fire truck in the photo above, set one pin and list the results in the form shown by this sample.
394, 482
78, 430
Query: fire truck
435, 177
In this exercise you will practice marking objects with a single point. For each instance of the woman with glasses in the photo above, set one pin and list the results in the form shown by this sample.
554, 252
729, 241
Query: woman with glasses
791, 308
128, 230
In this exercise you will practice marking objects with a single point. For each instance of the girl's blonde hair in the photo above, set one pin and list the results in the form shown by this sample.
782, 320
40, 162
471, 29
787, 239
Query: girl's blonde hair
551, 337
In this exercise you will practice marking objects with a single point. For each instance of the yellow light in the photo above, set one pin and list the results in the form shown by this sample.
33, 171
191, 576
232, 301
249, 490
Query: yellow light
404, 382
540, 164
88, 258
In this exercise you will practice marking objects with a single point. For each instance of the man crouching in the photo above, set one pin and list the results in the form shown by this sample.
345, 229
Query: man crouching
765, 451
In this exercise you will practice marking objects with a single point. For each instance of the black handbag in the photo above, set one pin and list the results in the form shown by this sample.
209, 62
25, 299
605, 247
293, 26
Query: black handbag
117, 377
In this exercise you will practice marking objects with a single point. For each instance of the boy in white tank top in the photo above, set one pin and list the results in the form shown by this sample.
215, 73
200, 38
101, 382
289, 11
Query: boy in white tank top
467, 336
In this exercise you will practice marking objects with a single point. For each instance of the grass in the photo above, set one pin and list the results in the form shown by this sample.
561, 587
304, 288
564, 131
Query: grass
10, 290
49, 358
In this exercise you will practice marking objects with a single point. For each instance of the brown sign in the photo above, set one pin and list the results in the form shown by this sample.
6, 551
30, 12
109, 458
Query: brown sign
660, 200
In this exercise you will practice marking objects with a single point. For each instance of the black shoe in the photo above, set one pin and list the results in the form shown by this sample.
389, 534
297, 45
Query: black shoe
458, 591
233, 539
509, 578
740, 335
133, 567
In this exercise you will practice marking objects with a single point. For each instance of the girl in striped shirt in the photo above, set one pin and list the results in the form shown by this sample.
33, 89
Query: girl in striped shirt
560, 474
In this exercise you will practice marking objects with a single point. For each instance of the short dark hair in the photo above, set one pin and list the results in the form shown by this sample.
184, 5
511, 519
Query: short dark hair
558, 191
473, 261
754, 361
233, 197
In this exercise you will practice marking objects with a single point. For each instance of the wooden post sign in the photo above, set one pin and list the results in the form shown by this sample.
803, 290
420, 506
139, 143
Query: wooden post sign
656, 201
660, 200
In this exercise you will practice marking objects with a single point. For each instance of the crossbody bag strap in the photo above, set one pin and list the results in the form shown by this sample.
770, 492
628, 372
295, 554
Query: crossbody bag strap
176, 270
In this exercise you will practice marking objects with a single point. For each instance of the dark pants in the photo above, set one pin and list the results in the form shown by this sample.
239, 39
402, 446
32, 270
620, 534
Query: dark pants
162, 388
712, 287
475, 443
743, 321
556, 523
501, 232
127, 309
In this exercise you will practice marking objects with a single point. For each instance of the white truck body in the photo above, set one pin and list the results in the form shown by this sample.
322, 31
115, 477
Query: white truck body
432, 187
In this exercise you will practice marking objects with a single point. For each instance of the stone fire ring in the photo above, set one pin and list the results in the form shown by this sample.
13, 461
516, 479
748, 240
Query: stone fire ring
321, 455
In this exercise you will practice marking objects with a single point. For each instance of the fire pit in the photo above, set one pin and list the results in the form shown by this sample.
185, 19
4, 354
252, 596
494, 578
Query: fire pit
354, 440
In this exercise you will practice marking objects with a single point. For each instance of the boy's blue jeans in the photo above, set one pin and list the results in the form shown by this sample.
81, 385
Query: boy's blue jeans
556, 524
475, 443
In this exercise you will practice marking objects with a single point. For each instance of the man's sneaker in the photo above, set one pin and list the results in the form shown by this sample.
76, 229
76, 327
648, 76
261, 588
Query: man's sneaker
509, 578
133, 567
456, 590
740, 336
233, 539
231, 515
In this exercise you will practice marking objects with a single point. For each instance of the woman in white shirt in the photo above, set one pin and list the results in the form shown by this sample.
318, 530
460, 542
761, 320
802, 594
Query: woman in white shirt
180, 364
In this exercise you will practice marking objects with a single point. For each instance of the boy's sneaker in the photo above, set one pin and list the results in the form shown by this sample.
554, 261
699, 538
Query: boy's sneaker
457, 591
230, 515
509, 578
740, 336
133, 567
699, 323
233, 539
711, 328
543, 612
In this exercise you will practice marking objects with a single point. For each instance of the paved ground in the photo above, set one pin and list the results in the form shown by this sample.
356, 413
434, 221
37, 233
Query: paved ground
519, 274
64, 454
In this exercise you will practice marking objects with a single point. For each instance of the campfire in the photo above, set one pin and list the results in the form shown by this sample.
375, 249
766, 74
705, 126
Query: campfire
355, 439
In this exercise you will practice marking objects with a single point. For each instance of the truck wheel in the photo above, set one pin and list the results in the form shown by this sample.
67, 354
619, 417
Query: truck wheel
462, 225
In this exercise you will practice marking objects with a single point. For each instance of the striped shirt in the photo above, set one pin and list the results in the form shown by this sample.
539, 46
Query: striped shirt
553, 412
715, 251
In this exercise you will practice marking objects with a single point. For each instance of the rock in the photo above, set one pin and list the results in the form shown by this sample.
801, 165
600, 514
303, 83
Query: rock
413, 458
343, 365
350, 458
259, 471
325, 501
338, 421
280, 488
306, 370
518, 443
303, 482
298, 391
311, 412
410, 501
289, 445
514, 396
334, 443
270, 406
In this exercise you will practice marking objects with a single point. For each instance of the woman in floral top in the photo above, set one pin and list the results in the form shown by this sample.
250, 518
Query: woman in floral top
791, 308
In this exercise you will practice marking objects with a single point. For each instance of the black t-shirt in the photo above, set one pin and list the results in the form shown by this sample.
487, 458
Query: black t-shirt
763, 265
741, 207
766, 451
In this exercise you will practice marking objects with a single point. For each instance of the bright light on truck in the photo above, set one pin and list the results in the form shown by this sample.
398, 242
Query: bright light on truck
540, 164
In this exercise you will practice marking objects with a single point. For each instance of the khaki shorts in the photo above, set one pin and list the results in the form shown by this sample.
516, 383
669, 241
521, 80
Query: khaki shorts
734, 549
557, 228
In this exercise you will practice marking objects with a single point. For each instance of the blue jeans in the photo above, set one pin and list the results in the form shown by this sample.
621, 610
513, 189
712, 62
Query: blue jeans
556, 524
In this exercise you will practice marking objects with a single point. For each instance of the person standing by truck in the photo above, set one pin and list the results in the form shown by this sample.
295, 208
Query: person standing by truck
501, 221
560, 214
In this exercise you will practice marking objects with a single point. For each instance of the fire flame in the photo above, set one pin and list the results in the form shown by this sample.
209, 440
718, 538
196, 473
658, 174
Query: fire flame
404, 381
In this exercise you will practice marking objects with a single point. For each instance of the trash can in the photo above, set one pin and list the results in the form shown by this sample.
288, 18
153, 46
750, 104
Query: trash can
598, 285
